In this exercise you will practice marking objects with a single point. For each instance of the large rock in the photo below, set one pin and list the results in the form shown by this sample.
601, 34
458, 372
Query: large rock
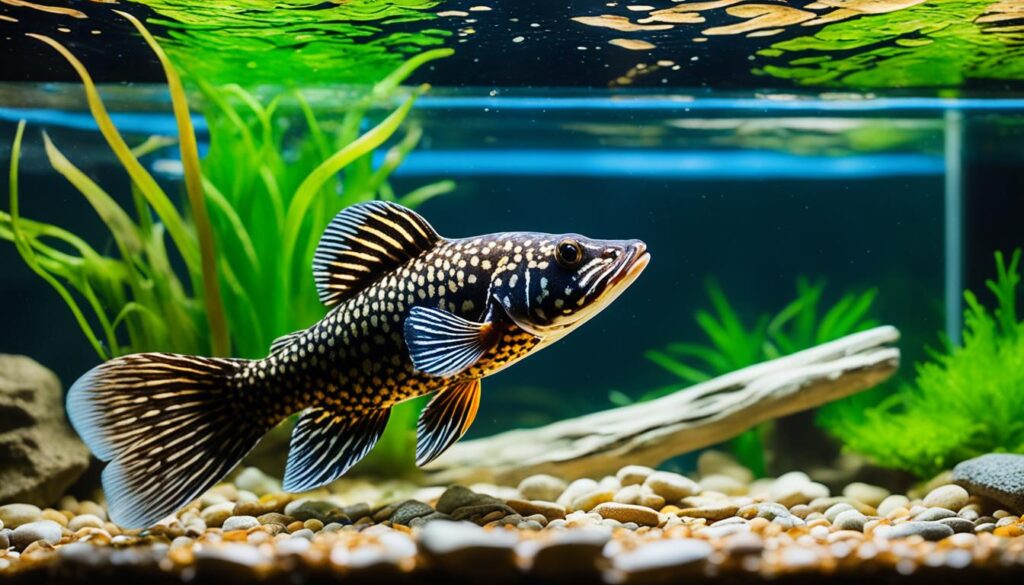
40, 456
999, 476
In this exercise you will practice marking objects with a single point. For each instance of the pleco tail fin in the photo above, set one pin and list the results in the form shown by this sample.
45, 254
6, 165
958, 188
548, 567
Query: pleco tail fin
170, 425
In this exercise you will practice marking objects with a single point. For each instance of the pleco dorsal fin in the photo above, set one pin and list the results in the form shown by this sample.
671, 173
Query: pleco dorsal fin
326, 443
446, 419
443, 344
364, 242
280, 343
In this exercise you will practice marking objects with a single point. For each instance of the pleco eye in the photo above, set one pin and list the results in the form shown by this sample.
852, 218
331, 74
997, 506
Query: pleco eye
569, 253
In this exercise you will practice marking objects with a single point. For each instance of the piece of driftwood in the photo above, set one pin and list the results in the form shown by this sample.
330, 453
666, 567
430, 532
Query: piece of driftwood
648, 433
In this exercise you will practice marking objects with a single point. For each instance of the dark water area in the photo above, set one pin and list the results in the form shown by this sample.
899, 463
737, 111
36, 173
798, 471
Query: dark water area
753, 201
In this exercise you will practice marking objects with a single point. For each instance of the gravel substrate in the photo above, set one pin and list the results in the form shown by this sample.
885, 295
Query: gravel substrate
638, 526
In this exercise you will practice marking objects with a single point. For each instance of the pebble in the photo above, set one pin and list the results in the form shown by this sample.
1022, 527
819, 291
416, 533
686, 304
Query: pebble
949, 496
926, 530
216, 514
29, 532
589, 501
14, 515
933, 514
768, 510
872, 495
724, 484
240, 523
663, 554
713, 462
628, 513
546, 509
410, 509
253, 480
796, 487
322, 510
85, 521
959, 525
574, 490
541, 487
444, 537
671, 486
833, 511
891, 503
850, 520
633, 475
712, 511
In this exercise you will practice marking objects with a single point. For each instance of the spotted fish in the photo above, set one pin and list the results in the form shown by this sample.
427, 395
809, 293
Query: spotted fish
411, 313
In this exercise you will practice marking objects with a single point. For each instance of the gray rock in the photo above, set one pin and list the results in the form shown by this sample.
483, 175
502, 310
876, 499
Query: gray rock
303, 533
458, 496
933, 514
321, 510
5, 538
408, 510
421, 520
999, 476
959, 525
26, 534
240, 523
40, 455
926, 530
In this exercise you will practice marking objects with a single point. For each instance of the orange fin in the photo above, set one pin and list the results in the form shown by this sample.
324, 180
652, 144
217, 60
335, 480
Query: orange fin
446, 419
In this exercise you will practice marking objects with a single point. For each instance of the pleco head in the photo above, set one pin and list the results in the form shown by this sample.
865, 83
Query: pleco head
561, 281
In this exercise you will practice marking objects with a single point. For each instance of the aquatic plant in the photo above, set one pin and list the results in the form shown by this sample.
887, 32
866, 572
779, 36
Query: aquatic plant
268, 203
965, 401
929, 44
733, 344
303, 42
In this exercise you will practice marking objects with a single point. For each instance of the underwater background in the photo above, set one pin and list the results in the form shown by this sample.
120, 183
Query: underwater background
780, 161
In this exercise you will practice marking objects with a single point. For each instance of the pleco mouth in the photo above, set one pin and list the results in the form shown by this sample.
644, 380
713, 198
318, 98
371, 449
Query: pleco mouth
633, 266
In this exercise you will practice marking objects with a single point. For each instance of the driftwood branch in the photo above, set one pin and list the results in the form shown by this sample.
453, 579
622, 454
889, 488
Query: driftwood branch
648, 433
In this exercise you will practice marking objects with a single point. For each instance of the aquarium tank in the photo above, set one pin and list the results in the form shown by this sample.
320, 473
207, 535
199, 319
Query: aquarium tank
278, 274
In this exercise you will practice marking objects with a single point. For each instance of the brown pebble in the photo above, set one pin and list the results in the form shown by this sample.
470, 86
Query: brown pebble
549, 510
313, 524
51, 514
297, 525
628, 513
491, 517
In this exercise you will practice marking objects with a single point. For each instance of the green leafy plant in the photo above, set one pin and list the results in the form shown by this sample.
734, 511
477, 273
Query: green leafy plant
965, 401
255, 209
733, 344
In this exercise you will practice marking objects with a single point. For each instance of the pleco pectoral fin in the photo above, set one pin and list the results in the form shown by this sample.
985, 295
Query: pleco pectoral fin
446, 419
443, 344
326, 443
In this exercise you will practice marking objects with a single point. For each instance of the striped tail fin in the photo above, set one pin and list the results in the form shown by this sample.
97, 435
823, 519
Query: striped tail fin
170, 425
